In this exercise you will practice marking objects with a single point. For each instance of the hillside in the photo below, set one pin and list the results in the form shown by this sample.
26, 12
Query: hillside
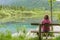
30, 3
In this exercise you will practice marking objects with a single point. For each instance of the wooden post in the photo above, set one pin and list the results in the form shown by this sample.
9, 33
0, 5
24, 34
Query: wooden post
40, 38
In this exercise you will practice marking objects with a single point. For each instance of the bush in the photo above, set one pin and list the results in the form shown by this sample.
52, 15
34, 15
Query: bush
57, 38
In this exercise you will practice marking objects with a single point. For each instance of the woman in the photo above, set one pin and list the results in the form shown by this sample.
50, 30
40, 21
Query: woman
46, 28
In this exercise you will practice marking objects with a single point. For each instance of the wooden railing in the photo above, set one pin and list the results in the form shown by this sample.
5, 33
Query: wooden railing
44, 24
40, 38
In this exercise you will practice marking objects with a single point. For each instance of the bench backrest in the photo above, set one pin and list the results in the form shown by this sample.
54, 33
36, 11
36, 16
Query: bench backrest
46, 25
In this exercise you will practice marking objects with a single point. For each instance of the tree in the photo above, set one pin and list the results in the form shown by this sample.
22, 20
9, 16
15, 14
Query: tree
22, 8
51, 0
0, 7
51, 5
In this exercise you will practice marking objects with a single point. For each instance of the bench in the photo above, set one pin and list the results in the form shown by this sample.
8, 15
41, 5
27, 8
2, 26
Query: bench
39, 32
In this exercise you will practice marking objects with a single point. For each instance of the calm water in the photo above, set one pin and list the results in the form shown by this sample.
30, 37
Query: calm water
12, 26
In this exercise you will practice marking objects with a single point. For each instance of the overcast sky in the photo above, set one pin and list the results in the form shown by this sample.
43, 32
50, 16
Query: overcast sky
58, 0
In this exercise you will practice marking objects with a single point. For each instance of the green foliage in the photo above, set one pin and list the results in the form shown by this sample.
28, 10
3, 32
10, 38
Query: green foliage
20, 16
57, 38
23, 29
58, 16
0, 7
36, 38
52, 0
8, 36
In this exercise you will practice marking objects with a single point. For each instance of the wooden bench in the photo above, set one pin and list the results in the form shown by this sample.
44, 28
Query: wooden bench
39, 32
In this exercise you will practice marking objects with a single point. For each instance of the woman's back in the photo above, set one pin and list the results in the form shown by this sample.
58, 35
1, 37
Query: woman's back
46, 21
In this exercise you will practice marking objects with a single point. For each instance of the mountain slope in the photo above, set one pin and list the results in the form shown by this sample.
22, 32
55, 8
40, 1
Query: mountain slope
29, 3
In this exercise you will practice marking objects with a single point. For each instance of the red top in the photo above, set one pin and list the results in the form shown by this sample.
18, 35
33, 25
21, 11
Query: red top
44, 27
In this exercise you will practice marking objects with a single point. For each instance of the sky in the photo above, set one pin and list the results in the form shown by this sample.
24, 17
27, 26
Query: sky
57, 0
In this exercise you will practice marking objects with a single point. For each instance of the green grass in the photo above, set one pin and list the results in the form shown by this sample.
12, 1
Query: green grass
7, 15
8, 36
57, 38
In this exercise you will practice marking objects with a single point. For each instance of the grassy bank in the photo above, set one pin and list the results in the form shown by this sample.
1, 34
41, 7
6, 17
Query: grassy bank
7, 15
8, 36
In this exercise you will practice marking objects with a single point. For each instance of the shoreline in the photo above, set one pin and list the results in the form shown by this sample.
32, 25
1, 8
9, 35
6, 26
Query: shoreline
56, 28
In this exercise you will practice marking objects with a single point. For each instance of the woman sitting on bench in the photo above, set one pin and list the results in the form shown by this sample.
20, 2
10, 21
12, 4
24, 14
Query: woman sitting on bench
45, 28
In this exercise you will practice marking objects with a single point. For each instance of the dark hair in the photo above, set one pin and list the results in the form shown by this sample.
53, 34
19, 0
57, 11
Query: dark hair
46, 17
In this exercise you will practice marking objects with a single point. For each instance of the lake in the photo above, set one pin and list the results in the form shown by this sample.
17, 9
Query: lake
12, 26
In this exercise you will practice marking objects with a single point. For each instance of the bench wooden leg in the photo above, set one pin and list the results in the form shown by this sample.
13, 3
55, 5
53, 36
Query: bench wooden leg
40, 38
